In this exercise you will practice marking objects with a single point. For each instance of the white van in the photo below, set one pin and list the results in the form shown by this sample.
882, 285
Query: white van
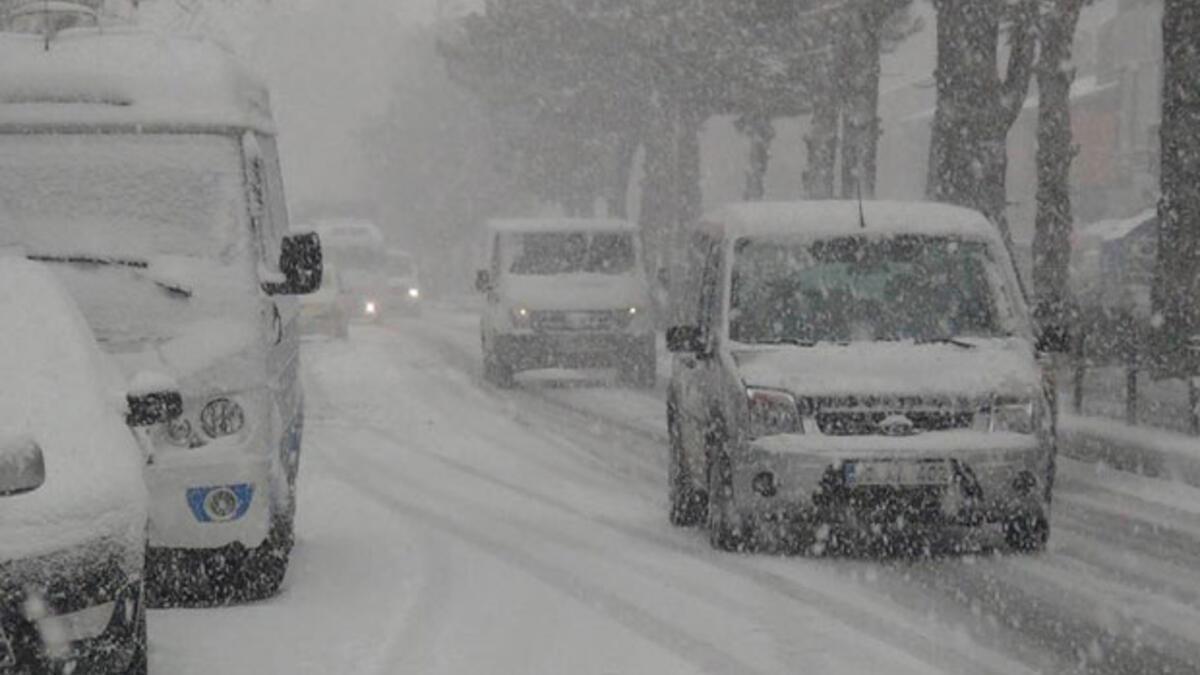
143, 169
849, 380
566, 292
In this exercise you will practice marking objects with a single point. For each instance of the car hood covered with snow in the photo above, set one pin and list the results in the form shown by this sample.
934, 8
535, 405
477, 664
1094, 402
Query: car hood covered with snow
62, 392
575, 291
991, 367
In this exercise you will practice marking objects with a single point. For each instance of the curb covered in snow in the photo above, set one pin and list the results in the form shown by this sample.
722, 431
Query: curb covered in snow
1149, 452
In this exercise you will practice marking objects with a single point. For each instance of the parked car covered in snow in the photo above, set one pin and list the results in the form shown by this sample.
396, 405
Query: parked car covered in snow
856, 382
73, 505
143, 169
565, 293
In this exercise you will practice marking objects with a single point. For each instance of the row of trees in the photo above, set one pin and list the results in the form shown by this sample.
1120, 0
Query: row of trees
576, 87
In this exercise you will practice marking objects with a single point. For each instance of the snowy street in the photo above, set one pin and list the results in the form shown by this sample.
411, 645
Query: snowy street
449, 527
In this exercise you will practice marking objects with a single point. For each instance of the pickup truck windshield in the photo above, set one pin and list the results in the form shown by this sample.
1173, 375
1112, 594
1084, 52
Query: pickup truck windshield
858, 289
123, 195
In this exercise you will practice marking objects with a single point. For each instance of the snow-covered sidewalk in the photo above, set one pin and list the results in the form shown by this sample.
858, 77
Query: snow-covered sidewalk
1154, 453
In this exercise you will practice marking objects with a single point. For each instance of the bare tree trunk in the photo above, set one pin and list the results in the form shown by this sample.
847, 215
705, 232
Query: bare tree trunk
759, 128
1055, 150
617, 200
860, 103
822, 142
659, 203
1177, 275
968, 158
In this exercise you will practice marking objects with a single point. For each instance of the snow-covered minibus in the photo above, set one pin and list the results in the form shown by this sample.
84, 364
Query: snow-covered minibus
143, 169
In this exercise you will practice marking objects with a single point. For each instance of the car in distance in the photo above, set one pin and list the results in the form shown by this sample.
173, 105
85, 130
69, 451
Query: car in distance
73, 505
404, 294
567, 293
861, 381
324, 312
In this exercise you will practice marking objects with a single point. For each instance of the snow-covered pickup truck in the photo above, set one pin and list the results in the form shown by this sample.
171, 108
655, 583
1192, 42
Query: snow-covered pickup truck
566, 293
73, 505
862, 381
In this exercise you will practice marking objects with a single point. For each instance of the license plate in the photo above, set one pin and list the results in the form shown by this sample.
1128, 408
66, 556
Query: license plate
7, 658
897, 472
586, 320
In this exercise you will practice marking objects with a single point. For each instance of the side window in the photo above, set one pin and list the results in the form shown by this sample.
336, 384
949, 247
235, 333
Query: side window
710, 288
256, 196
276, 224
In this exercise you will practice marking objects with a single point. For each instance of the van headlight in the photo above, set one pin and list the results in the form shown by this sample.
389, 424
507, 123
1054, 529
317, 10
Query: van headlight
772, 412
222, 417
1018, 416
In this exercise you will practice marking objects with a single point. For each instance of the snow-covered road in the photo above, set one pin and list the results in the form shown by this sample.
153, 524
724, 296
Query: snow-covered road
449, 527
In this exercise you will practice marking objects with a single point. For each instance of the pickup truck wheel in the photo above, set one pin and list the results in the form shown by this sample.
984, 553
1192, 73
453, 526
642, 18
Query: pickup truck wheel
496, 371
688, 506
1027, 533
725, 533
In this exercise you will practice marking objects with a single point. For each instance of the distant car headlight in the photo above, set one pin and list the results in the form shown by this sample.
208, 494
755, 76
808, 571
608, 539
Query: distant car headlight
521, 317
222, 417
414, 293
773, 412
370, 308
1009, 415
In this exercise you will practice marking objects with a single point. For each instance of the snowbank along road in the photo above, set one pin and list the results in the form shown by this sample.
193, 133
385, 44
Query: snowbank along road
449, 527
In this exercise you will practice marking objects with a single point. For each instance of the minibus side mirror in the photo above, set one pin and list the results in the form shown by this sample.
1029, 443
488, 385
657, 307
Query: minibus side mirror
300, 261
151, 408
22, 466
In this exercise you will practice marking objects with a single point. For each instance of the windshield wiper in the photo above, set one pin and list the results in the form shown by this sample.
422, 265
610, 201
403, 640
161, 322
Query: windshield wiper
175, 290
946, 340
798, 342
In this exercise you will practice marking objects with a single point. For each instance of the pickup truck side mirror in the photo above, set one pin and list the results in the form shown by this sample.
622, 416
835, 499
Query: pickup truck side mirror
300, 261
151, 408
483, 281
22, 466
685, 340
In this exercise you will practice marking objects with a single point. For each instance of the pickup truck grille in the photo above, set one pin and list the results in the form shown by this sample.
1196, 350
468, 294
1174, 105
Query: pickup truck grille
864, 416
592, 320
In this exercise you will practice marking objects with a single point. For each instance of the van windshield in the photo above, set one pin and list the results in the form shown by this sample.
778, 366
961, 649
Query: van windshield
552, 253
123, 195
858, 289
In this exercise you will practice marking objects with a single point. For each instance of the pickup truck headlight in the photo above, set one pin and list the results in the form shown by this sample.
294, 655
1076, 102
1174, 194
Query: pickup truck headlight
1009, 415
772, 412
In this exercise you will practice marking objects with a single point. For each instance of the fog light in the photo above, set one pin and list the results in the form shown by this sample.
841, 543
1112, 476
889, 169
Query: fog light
1024, 483
764, 484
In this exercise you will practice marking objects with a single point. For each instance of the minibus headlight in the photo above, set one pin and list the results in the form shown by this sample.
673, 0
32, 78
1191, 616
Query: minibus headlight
222, 417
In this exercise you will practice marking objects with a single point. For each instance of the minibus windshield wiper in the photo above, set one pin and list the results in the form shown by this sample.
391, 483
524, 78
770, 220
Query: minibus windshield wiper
946, 340
173, 289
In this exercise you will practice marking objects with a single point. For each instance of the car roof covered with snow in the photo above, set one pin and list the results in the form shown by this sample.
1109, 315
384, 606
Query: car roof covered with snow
824, 219
535, 225
123, 77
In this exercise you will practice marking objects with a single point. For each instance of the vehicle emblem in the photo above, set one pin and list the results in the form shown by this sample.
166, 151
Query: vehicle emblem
897, 425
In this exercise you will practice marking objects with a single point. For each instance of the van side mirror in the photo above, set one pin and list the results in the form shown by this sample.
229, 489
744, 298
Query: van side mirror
685, 340
483, 281
300, 261
1053, 339
151, 408
22, 466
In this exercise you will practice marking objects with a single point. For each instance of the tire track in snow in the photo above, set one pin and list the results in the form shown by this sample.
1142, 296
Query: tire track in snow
855, 617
